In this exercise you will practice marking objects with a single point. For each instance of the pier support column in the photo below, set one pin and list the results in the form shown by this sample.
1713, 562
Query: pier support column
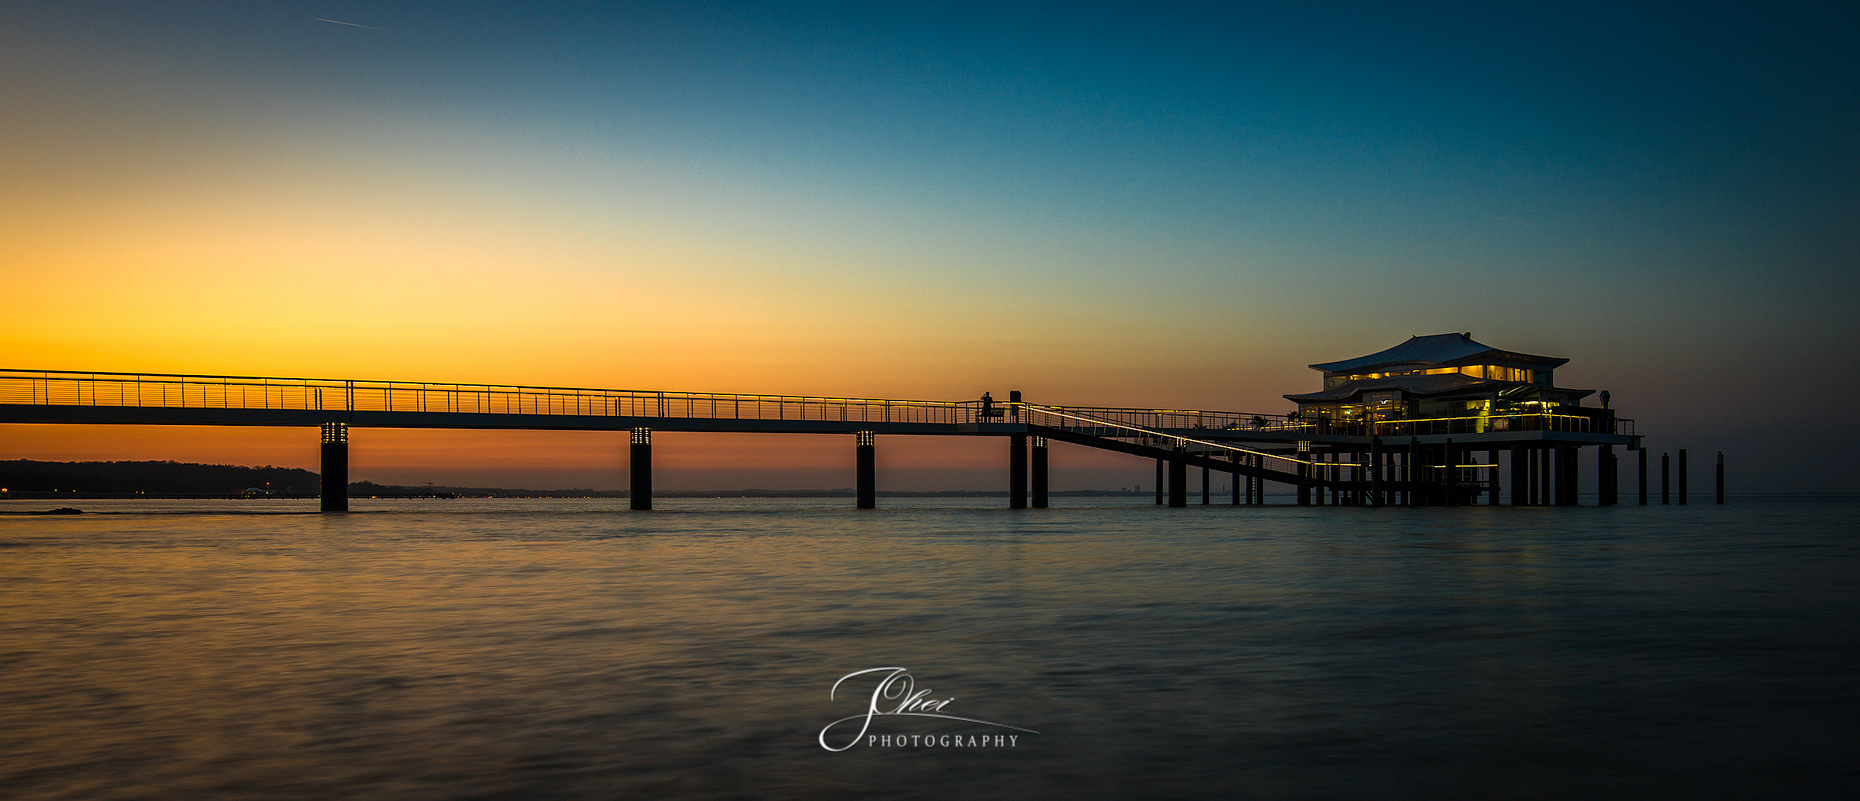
1545, 475
1159, 482
1359, 478
1530, 475
1255, 487
1575, 475
1520, 475
1605, 464
1304, 469
1039, 472
1411, 471
865, 449
1017, 471
1259, 484
1614, 477
1553, 473
1559, 475
1643, 474
639, 470
1721, 478
1449, 495
1571, 480
1236, 456
1204, 486
1320, 469
1376, 467
1666, 482
1359, 495
1492, 490
335, 467
1178, 484
1683, 493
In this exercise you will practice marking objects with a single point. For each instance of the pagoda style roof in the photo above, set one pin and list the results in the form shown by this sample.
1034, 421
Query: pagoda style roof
1439, 349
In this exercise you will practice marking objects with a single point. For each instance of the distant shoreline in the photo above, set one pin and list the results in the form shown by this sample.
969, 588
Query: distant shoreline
158, 480
517, 493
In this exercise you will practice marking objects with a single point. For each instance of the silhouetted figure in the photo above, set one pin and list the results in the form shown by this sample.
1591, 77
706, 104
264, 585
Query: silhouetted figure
988, 406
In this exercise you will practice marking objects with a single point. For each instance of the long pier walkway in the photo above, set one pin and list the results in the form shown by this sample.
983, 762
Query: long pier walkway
1431, 463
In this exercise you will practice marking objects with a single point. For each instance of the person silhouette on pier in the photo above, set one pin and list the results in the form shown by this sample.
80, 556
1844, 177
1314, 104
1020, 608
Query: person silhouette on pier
988, 406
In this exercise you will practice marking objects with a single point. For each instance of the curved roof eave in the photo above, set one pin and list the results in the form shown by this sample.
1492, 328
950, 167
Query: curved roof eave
1438, 349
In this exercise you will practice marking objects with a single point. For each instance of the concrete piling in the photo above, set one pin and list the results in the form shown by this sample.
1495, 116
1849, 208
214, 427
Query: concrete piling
1040, 473
866, 478
1017, 471
639, 470
335, 475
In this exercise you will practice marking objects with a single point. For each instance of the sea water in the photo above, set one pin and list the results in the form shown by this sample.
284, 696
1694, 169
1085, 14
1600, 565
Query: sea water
1106, 648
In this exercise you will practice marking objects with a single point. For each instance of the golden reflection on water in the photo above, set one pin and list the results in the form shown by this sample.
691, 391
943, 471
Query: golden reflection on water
570, 649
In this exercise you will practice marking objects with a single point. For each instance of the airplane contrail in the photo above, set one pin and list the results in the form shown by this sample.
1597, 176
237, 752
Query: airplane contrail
350, 24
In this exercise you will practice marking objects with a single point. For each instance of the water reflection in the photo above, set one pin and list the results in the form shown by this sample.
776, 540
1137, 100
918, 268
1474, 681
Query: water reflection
567, 649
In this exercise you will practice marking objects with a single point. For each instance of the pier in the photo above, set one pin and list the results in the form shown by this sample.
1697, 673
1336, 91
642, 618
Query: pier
1444, 460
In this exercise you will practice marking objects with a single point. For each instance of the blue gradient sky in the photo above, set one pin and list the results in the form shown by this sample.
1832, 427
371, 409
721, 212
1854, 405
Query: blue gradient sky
1148, 205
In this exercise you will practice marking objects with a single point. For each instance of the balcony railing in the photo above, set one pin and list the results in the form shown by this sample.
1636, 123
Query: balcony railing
1485, 424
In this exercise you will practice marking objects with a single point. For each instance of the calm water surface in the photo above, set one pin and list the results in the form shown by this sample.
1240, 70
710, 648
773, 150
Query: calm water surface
570, 649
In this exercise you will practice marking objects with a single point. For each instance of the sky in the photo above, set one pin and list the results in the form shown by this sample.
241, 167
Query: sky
1162, 205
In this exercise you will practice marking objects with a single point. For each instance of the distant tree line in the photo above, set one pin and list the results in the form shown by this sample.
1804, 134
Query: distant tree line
23, 475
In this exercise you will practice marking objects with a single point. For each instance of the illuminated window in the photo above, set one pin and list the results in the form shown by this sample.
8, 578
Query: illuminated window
1494, 372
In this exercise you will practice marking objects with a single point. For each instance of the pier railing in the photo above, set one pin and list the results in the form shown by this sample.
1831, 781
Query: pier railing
161, 390
334, 395
1187, 419
1540, 421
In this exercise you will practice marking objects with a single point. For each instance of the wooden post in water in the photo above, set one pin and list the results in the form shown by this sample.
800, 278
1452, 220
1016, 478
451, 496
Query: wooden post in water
1682, 477
1666, 483
1721, 478
1643, 474
1204, 486
1159, 482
